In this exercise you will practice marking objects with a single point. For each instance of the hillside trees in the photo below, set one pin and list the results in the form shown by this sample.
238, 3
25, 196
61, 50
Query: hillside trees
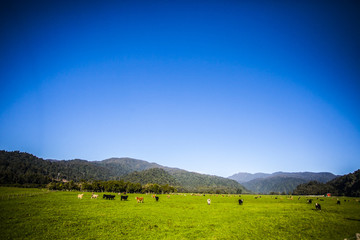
24, 169
347, 185
111, 186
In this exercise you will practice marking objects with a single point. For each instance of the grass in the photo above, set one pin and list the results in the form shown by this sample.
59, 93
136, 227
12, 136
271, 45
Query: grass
40, 214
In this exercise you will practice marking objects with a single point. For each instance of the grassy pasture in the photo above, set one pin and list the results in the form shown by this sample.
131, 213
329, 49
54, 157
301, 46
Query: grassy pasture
39, 214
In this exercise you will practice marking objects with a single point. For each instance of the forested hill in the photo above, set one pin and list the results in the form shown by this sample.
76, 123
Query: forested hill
22, 168
152, 175
124, 166
347, 185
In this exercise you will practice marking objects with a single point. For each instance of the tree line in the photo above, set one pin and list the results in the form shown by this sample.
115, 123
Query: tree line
111, 186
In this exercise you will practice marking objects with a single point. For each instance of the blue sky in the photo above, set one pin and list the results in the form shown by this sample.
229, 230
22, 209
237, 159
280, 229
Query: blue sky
215, 87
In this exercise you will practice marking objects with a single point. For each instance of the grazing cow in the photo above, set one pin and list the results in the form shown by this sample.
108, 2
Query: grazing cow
241, 201
80, 196
123, 198
156, 198
209, 201
94, 196
109, 197
309, 201
153, 196
338, 202
317, 206
140, 199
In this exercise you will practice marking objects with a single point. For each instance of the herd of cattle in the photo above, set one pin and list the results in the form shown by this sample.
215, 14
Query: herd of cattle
141, 199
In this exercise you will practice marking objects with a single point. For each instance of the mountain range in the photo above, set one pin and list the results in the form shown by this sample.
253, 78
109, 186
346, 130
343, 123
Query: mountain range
21, 168
24, 168
346, 185
279, 182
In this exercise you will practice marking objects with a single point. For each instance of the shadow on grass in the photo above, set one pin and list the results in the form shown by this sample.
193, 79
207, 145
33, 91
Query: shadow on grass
353, 219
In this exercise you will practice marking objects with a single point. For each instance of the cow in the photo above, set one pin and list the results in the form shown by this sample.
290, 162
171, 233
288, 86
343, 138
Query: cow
140, 199
241, 201
94, 196
309, 201
317, 206
80, 196
209, 201
338, 202
157, 198
109, 197
123, 198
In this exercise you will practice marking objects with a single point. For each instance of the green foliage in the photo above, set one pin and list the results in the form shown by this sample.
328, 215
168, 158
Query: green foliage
201, 183
347, 185
120, 167
23, 168
152, 175
111, 186
39, 214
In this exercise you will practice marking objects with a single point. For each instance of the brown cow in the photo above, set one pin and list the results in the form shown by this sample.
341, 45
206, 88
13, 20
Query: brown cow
140, 199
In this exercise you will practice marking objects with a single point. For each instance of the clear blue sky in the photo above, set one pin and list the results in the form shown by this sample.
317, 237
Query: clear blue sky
215, 87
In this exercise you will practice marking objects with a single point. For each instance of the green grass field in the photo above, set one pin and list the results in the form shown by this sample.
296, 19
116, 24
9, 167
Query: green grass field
40, 214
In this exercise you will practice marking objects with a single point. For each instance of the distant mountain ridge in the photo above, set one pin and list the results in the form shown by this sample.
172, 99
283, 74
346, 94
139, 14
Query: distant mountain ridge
242, 177
279, 182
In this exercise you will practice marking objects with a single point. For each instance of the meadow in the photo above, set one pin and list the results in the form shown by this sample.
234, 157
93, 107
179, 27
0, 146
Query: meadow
43, 214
